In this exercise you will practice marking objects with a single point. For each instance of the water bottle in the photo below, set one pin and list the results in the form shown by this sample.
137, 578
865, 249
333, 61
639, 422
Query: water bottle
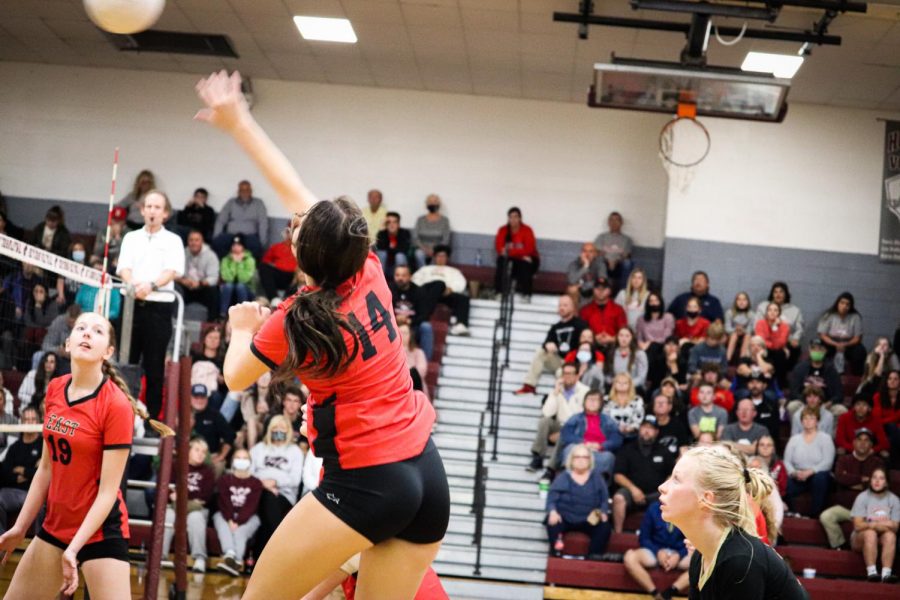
559, 545
479, 260
543, 488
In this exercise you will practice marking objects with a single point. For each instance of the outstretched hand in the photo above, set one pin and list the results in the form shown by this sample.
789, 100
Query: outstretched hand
226, 107
9, 541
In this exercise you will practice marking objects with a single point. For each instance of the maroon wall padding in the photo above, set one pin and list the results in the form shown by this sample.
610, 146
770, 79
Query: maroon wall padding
545, 282
834, 563
808, 532
601, 575
577, 543
842, 589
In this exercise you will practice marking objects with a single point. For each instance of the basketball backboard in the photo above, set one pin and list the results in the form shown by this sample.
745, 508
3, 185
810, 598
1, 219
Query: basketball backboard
717, 92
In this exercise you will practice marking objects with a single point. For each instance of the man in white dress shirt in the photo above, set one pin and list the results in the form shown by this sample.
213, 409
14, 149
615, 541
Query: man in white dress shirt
150, 260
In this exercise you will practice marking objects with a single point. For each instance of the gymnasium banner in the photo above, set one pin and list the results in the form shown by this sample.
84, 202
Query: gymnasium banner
889, 240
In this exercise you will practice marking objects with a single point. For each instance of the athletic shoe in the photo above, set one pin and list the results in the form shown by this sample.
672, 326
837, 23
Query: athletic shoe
536, 464
459, 329
199, 565
889, 579
874, 578
166, 564
525, 389
230, 565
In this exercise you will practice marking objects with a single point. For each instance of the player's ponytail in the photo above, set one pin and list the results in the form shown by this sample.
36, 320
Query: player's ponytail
724, 474
331, 247
113, 373
314, 331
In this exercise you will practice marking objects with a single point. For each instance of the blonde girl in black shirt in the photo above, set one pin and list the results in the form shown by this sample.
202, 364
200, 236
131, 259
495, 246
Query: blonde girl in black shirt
707, 499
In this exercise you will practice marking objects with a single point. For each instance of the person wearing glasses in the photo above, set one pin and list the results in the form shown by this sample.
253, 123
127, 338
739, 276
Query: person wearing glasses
579, 501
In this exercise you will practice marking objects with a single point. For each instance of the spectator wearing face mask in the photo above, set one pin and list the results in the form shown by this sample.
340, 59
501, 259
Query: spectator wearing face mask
432, 230
236, 521
278, 464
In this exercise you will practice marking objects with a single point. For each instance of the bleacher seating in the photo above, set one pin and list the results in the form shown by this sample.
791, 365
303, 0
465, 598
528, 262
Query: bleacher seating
545, 282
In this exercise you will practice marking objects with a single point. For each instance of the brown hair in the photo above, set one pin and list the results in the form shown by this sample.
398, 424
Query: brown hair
331, 247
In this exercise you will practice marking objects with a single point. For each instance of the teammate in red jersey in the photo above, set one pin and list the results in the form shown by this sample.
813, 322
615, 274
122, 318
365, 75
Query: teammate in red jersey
384, 492
88, 426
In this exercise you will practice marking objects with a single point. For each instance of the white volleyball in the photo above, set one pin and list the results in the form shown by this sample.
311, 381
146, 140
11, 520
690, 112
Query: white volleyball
124, 16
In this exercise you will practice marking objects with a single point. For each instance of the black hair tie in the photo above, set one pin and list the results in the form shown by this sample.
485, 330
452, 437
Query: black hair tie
746, 475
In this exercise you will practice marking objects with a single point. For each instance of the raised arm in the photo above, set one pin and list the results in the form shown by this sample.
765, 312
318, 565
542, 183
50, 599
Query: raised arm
227, 109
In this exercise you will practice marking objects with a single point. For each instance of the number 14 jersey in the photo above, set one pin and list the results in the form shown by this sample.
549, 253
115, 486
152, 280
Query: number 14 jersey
76, 432
369, 414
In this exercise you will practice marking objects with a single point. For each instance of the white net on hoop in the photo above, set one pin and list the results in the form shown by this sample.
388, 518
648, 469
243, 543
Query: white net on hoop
683, 145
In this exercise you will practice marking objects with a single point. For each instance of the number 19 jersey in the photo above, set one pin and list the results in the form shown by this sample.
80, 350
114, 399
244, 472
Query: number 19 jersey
76, 433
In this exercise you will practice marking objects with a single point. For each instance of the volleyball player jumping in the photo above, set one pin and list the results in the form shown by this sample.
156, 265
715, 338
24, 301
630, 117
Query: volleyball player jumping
88, 428
384, 492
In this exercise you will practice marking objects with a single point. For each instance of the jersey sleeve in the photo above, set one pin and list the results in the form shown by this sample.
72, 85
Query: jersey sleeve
269, 344
118, 427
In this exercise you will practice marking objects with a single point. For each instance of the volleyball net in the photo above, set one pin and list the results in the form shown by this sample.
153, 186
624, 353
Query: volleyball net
41, 294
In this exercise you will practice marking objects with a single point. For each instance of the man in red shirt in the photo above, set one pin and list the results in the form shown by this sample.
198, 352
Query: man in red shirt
603, 316
278, 265
516, 249
859, 417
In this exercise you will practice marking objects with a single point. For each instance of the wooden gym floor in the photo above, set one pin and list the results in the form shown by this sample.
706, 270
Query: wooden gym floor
215, 585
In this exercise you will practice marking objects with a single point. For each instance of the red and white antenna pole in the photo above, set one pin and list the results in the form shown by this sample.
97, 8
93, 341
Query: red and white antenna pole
104, 278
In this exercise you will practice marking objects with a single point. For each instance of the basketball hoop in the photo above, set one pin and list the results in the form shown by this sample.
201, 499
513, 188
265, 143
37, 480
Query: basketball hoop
693, 143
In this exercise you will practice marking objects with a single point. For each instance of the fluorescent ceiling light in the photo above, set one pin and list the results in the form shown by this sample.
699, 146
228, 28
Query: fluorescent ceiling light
784, 66
325, 29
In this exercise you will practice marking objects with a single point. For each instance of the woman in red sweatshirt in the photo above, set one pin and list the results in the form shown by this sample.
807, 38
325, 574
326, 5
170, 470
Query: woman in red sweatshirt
516, 249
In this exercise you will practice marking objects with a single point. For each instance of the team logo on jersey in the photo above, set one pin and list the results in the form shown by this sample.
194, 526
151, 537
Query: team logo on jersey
61, 425
278, 462
194, 479
239, 495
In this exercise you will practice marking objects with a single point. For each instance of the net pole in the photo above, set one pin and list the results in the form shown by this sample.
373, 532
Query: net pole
104, 292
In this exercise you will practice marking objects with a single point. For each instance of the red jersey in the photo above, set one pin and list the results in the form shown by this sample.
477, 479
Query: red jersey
609, 318
369, 414
76, 432
522, 242
683, 329
429, 589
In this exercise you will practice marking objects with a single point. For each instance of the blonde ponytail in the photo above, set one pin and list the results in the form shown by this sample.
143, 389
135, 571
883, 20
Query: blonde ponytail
725, 475
110, 371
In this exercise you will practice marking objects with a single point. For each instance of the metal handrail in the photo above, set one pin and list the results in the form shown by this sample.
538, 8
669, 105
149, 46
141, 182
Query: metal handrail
507, 305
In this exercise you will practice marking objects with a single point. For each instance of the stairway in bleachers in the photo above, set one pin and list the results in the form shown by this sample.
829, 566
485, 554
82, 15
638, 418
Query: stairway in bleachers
514, 545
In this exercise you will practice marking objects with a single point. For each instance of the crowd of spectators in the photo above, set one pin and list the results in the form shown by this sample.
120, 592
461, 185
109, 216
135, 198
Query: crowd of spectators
638, 382
248, 463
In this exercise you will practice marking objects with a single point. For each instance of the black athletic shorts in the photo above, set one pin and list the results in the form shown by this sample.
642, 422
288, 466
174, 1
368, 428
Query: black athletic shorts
409, 500
116, 548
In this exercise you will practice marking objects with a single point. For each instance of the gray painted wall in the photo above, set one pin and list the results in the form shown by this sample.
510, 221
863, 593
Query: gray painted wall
815, 279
